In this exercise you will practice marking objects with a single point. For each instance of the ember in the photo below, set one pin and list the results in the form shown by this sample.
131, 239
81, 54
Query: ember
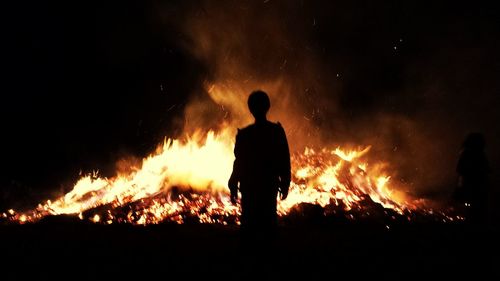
186, 180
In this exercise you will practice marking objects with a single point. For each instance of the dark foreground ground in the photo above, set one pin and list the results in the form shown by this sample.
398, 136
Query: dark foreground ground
70, 249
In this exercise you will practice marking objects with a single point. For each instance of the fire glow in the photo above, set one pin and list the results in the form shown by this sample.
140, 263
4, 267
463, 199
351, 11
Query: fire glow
197, 169
186, 179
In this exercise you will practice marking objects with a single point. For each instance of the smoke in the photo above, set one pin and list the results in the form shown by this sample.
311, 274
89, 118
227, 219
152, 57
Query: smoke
249, 46
338, 75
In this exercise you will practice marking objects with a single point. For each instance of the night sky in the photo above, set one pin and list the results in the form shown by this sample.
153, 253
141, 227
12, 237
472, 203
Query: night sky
87, 83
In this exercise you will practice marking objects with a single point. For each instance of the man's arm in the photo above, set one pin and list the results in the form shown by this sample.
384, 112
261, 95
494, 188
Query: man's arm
285, 167
235, 175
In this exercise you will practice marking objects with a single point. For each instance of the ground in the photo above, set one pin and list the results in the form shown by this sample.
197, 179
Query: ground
60, 246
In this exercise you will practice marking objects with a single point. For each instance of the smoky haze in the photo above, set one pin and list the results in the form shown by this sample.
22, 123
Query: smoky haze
408, 80
96, 82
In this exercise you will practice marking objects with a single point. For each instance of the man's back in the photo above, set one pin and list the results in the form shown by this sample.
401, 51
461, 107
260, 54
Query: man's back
262, 166
261, 152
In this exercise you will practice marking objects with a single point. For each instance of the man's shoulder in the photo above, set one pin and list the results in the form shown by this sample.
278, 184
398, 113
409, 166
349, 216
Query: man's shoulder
277, 127
243, 133
274, 125
256, 128
245, 130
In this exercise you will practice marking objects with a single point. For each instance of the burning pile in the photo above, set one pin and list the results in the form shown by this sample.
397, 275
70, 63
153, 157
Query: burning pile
186, 180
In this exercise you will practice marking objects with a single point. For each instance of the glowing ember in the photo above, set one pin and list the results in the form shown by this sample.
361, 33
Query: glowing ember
188, 179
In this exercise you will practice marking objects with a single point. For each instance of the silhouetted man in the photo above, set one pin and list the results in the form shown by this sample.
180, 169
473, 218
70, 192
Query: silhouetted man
473, 170
261, 167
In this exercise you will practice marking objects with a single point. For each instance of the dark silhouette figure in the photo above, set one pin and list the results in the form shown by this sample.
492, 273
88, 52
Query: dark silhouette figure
262, 167
473, 170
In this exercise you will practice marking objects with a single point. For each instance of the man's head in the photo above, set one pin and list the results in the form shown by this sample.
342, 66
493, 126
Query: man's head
259, 104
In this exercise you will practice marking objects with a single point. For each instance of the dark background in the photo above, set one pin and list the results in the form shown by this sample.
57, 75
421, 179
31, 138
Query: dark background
86, 83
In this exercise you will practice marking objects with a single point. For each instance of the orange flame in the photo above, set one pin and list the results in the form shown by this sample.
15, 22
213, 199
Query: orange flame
202, 164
